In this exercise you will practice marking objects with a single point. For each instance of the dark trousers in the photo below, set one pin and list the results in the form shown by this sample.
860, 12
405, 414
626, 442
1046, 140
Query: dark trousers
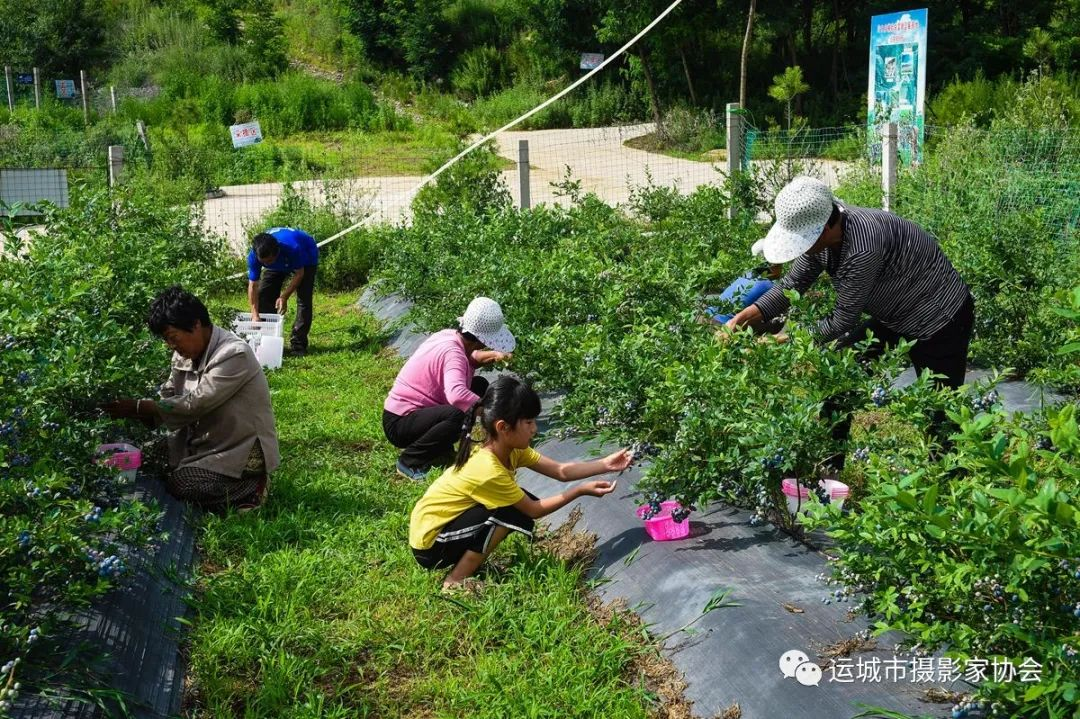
944, 353
426, 436
270, 284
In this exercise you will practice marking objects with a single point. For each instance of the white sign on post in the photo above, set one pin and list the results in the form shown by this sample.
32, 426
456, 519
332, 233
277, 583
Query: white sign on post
65, 89
591, 60
246, 134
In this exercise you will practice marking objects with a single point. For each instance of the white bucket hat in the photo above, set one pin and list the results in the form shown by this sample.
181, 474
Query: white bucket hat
483, 319
802, 209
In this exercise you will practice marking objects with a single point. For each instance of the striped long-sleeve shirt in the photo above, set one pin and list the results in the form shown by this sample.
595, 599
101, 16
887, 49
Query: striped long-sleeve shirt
885, 266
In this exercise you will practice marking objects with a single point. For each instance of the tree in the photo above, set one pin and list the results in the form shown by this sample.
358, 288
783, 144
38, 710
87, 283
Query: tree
746, 52
54, 35
787, 87
1040, 47
624, 19
265, 42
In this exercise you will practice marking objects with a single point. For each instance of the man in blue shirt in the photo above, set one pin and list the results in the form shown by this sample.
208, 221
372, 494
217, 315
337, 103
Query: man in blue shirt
274, 255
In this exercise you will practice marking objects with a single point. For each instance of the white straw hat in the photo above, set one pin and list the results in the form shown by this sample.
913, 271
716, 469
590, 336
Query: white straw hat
802, 209
483, 319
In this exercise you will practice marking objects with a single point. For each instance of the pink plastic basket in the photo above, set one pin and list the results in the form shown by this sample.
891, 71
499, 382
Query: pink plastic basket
128, 459
662, 527
798, 494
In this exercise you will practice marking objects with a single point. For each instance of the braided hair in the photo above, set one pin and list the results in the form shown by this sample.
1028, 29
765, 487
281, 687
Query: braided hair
508, 399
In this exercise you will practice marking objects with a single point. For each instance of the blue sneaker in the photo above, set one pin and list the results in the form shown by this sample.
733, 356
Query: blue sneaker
416, 475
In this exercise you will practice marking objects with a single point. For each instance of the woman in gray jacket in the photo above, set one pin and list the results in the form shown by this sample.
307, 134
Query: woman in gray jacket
216, 402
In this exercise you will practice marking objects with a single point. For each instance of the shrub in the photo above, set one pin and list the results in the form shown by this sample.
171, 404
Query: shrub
975, 553
478, 72
691, 130
74, 335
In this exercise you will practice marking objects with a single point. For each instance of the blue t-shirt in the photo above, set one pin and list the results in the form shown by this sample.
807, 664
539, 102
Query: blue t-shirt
297, 249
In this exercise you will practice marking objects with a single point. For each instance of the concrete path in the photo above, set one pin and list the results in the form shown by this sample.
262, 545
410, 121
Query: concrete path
597, 157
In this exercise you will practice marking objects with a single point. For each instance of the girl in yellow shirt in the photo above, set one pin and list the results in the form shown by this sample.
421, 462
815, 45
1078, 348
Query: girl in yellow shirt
475, 504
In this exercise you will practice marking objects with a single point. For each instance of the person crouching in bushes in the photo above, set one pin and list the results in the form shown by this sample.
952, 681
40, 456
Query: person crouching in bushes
216, 402
746, 290
477, 502
422, 415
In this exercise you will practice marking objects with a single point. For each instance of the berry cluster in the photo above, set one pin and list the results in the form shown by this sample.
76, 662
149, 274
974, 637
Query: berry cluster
862, 454
964, 709
654, 507
879, 396
1044, 443
679, 514
23, 378
641, 451
773, 462
106, 566
9, 689
986, 402
93, 515
24, 539
9, 342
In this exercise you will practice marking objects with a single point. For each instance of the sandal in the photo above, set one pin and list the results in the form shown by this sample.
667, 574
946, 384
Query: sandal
254, 500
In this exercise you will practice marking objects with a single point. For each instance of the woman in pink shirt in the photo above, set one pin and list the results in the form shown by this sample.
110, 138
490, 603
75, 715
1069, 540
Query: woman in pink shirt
436, 388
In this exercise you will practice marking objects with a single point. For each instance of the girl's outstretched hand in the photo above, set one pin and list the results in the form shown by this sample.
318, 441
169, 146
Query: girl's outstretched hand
618, 461
596, 488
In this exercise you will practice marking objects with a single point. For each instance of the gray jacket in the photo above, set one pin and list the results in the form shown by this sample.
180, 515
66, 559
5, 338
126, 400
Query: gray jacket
218, 409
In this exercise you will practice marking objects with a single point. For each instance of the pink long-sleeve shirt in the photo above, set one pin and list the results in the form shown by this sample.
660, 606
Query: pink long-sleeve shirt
438, 373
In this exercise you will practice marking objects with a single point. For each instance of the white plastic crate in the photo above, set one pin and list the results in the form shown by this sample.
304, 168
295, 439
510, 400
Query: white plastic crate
268, 350
268, 324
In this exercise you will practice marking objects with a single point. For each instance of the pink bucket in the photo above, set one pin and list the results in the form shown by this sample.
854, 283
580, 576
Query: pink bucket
122, 456
662, 527
798, 493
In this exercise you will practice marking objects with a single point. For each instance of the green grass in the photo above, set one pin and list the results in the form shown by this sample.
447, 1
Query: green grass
314, 606
352, 153
649, 142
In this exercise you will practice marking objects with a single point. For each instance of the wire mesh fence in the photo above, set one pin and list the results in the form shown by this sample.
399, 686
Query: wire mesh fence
1032, 168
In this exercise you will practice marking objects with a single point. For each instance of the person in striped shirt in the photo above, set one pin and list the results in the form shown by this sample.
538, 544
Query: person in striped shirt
881, 265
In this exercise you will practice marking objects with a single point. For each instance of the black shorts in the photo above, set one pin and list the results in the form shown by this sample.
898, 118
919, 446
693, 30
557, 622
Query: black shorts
472, 531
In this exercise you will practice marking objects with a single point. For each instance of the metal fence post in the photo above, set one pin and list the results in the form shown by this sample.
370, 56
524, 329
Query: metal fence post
523, 174
82, 90
116, 164
10, 89
37, 89
734, 118
889, 158
112, 96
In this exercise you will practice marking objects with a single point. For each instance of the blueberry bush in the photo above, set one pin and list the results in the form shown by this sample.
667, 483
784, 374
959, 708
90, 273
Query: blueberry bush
72, 334
607, 305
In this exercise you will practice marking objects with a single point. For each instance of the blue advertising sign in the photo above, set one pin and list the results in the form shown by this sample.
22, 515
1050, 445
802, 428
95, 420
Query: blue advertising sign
897, 87
25, 78
65, 89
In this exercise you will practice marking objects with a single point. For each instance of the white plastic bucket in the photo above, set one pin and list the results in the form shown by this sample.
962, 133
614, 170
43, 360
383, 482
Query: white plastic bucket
270, 352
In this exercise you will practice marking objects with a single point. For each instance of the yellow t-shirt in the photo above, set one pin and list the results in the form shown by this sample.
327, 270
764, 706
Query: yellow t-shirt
482, 480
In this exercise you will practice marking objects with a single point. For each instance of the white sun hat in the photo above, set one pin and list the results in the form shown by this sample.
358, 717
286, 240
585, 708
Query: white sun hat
483, 319
802, 209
